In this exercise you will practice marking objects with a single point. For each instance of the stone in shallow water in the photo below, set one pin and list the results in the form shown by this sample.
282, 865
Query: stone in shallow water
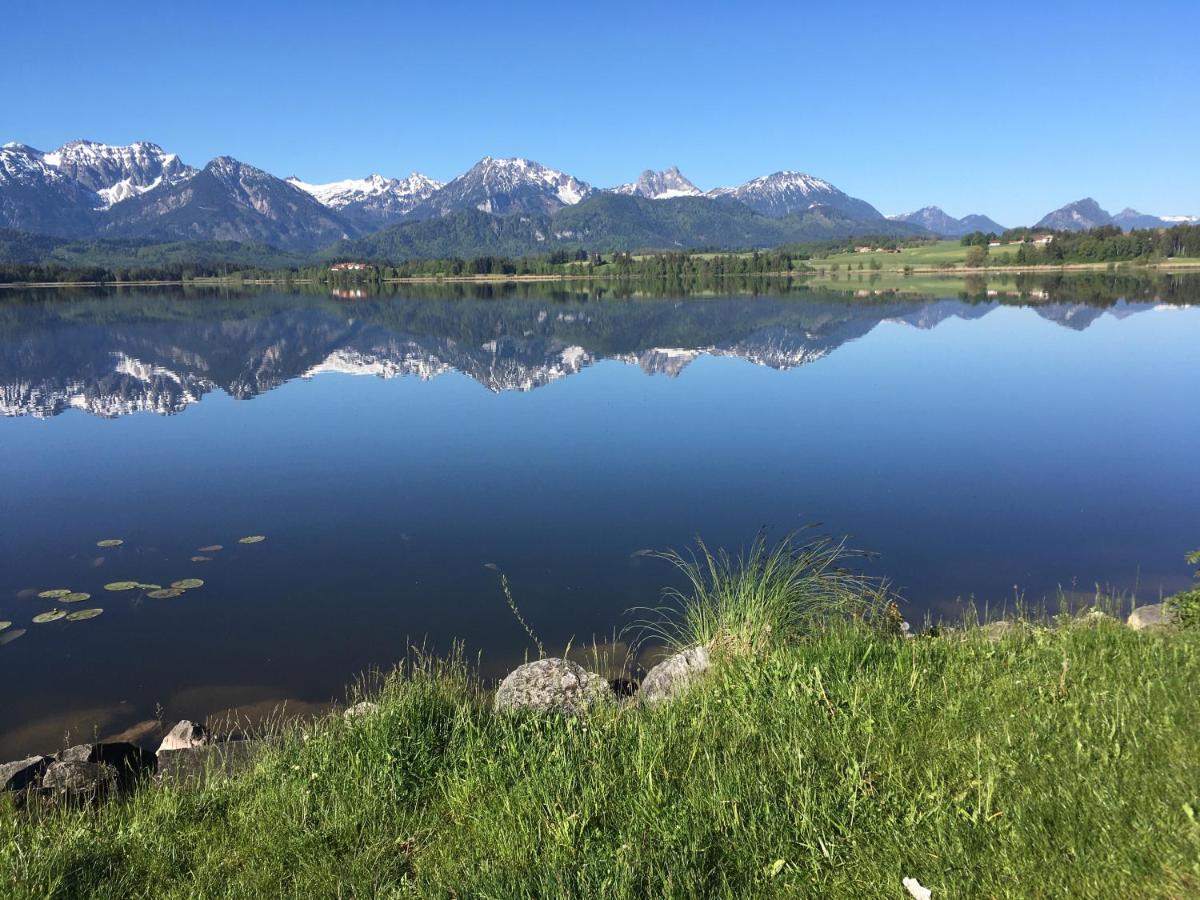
553, 686
23, 773
674, 675
184, 736
1154, 617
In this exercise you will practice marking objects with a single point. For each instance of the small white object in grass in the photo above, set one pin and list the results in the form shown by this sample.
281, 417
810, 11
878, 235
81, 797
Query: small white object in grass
916, 889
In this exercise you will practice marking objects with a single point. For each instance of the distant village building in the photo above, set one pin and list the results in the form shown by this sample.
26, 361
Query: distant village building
349, 267
1043, 238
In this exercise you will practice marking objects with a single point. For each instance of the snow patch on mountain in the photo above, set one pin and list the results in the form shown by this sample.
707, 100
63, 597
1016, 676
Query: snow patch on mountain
663, 185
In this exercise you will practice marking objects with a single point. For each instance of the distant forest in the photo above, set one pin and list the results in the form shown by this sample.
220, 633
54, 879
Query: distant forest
28, 258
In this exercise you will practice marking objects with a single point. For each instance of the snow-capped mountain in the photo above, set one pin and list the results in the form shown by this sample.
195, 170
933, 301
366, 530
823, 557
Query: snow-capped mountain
229, 200
37, 197
506, 187
374, 200
1180, 220
785, 193
937, 220
660, 185
117, 173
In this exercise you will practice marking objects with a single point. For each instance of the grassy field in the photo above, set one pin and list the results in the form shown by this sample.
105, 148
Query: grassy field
821, 757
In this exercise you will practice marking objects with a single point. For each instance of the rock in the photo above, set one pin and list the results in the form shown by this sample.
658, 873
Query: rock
674, 675
1154, 617
360, 709
128, 760
184, 736
23, 773
995, 631
81, 780
197, 764
552, 685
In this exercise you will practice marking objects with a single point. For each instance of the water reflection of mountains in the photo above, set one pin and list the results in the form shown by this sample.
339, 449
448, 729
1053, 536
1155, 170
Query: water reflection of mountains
120, 354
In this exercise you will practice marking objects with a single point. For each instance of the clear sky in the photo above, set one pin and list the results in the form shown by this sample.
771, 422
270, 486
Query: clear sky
1006, 108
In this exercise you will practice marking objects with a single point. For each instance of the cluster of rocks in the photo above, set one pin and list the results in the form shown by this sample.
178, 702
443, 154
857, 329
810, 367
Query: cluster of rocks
89, 773
556, 685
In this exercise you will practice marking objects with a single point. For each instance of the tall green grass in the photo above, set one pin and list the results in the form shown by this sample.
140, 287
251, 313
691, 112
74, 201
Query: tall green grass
763, 595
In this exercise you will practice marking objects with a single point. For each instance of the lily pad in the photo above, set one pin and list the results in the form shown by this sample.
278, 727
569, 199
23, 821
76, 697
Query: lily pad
4, 625
201, 559
211, 548
120, 585
164, 594
53, 616
9, 636
150, 587
83, 615
110, 542
186, 584
55, 594
253, 539
77, 597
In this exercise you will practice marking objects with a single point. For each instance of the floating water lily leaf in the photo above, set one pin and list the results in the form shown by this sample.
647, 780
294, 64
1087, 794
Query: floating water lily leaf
84, 614
201, 559
55, 594
187, 584
253, 539
53, 616
164, 593
120, 586
77, 597
150, 587
4, 625
211, 548
110, 542
9, 636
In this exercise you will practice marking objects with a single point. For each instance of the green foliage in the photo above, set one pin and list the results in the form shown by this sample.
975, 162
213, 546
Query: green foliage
764, 595
1049, 764
1186, 604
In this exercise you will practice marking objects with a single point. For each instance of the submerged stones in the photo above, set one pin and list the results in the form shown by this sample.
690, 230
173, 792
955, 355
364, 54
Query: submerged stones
674, 675
552, 686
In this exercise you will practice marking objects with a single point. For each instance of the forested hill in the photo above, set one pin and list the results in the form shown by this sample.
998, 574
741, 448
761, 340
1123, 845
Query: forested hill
608, 222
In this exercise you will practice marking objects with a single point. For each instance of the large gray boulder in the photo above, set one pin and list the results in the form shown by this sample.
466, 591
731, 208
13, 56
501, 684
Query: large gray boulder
23, 773
552, 686
129, 761
674, 675
196, 765
1154, 617
81, 780
184, 736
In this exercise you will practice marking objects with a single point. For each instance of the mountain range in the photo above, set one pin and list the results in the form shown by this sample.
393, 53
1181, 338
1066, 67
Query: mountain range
88, 190
1086, 214
935, 219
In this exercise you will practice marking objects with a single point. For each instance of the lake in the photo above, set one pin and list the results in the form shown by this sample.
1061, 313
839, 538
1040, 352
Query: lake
399, 451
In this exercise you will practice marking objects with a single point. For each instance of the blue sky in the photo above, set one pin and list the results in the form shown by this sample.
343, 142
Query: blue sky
1009, 109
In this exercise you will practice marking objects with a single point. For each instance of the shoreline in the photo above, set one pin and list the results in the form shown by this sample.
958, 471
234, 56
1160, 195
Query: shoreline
1125, 267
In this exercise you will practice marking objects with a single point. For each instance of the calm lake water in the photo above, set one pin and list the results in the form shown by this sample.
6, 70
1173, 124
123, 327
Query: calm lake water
398, 451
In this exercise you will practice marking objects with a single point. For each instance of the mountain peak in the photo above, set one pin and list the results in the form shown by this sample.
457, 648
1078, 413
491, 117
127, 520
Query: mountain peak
664, 185
1081, 215
789, 192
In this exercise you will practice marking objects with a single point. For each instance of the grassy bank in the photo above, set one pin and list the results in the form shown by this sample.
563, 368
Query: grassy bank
820, 757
